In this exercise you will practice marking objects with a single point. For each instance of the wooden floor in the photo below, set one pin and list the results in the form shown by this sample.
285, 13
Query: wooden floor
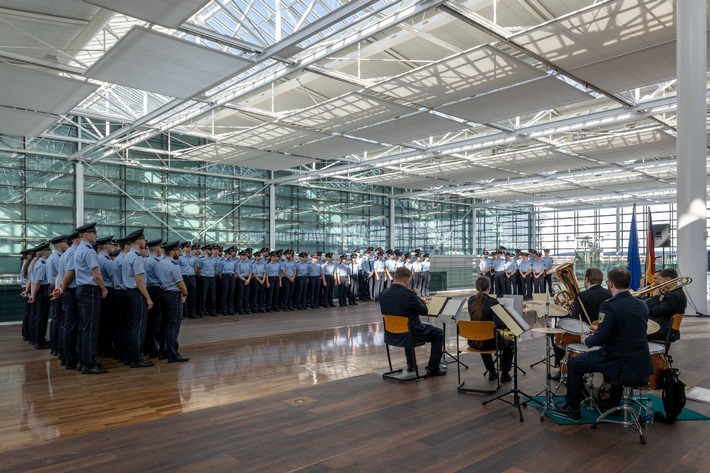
302, 391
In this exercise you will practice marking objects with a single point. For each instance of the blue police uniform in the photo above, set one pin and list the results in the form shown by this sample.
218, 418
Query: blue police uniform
315, 279
538, 276
187, 264
70, 322
329, 287
243, 272
208, 295
258, 270
273, 271
343, 279
301, 292
170, 273
355, 280
378, 280
524, 267
288, 279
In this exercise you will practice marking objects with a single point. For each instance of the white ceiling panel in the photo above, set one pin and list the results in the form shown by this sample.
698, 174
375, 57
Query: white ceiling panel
417, 126
168, 13
333, 148
613, 29
467, 75
347, 113
275, 162
544, 94
633, 145
23, 123
274, 137
148, 60
218, 152
35, 90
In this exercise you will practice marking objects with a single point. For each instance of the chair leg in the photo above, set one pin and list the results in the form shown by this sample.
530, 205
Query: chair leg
391, 374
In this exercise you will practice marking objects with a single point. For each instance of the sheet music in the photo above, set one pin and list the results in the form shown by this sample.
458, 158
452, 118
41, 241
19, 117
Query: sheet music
436, 305
452, 308
511, 319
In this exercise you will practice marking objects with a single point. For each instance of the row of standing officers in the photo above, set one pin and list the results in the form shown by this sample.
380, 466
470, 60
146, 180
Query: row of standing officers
518, 272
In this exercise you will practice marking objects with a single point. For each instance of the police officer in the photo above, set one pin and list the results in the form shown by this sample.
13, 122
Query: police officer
258, 283
226, 269
485, 265
173, 294
539, 274
525, 270
208, 270
67, 292
342, 280
355, 273
329, 283
121, 328
243, 275
187, 269
90, 290
39, 298
60, 245
315, 280
138, 300
301, 293
151, 262
107, 267
499, 273
273, 282
548, 262
288, 280
368, 274
199, 302
378, 281
390, 267
510, 268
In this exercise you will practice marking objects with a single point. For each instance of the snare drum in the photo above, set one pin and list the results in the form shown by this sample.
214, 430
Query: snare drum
573, 349
572, 332
660, 364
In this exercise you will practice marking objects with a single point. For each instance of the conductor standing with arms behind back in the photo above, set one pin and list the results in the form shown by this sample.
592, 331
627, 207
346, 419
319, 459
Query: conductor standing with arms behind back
399, 300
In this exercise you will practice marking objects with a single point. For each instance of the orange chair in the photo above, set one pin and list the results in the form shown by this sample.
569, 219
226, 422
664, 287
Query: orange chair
477, 331
397, 334
675, 327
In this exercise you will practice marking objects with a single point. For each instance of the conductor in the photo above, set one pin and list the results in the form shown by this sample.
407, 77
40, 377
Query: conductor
398, 299
624, 350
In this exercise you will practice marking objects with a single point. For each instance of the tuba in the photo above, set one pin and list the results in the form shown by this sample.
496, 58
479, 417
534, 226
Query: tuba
565, 297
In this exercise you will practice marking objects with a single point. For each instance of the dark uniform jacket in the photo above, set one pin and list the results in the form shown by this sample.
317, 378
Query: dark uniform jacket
592, 299
399, 300
488, 316
662, 308
622, 336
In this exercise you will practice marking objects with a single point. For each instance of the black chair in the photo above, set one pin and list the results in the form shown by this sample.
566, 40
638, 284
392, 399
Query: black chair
397, 334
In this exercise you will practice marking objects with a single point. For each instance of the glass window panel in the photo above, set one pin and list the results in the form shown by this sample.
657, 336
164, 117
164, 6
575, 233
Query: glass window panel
50, 214
49, 180
44, 231
53, 198
51, 165
102, 201
13, 230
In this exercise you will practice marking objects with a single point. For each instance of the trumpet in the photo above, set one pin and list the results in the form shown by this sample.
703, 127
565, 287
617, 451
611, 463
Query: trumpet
663, 287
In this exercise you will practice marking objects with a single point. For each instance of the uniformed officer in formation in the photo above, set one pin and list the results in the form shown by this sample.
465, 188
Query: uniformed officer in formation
548, 262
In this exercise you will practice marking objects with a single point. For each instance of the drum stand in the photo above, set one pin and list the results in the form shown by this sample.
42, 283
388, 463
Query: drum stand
545, 360
548, 405
514, 390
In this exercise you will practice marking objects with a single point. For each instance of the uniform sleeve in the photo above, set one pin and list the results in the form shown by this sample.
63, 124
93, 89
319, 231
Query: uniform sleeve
40, 272
92, 260
601, 335
138, 266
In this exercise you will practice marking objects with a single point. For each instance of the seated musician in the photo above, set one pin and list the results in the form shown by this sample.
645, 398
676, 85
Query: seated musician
591, 299
480, 308
624, 352
398, 299
663, 305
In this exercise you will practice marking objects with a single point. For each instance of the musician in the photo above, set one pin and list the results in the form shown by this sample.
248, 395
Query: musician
589, 300
480, 308
398, 299
622, 336
665, 304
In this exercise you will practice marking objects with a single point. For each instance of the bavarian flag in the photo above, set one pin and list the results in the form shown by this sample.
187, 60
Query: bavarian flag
633, 262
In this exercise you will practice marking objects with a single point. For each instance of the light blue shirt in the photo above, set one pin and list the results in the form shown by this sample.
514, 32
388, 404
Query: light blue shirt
40, 272
85, 260
511, 266
53, 266
169, 274
227, 266
187, 264
118, 272
390, 265
498, 264
343, 271
208, 266
525, 266
289, 268
23, 279
379, 265
243, 268
66, 263
366, 265
426, 266
107, 267
538, 266
315, 269
258, 269
273, 269
150, 264
131, 266
302, 268
485, 265
328, 268
547, 261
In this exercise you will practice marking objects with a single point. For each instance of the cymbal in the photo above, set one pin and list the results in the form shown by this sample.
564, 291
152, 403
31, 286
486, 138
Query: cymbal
536, 303
547, 330
553, 310
652, 327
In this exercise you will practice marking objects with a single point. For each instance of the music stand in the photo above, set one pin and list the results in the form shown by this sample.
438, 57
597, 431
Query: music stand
517, 325
451, 310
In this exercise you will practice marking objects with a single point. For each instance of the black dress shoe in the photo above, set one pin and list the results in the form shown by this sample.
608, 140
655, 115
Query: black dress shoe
567, 411
94, 370
142, 364
71, 367
42, 346
505, 377
410, 369
435, 372
79, 367
492, 376
178, 359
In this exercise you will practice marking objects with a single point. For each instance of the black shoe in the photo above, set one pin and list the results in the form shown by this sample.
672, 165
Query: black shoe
410, 369
202, 316
567, 411
192, 317
151, 354
505, 377
178, 359
142, 364
79, 367
94, 370
353, 303
438, 372
213, 315
71, 367
41, 346
492, 376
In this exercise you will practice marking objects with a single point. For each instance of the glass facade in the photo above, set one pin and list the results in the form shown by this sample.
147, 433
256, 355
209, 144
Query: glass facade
512, 229
434, 227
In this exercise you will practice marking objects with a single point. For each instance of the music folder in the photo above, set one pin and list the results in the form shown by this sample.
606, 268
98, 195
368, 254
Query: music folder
436, 305
452, 308
511, 319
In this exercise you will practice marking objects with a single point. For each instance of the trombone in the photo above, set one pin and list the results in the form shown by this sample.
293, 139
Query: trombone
664, 287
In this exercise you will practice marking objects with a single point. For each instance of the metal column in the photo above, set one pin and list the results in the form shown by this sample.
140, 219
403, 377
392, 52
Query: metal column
272, 216
691, 52
391, 226
79, 183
